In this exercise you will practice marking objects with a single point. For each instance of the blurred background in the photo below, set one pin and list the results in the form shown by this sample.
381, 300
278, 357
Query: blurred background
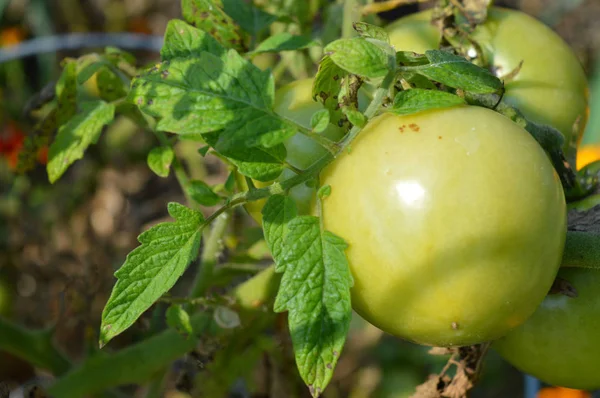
60, 244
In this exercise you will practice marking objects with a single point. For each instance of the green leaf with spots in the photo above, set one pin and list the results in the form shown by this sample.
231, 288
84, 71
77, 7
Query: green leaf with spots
152, 269
183, 40
315, 290
210, 93
74, 137
327, 87
359, 56
208, 15
369, 31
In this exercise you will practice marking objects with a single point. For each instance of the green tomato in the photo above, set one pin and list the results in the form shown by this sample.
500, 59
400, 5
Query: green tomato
294, 102
559, 344
551, 87
455, 222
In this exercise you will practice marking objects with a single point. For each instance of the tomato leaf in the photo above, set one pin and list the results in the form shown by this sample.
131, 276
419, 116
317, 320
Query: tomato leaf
355, 117
160, 159
152, 269
209, 16
76, 135
315, 290
369, 31
284, 41
212, 93
359, 56
262, 164
179, 319
252, 19
418, 100
457, 72
277, 213
327, 87
320, 120
183, 40
202, 193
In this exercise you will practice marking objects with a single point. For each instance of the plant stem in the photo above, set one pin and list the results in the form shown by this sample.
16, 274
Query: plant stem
36, 347
210, 254
350, 16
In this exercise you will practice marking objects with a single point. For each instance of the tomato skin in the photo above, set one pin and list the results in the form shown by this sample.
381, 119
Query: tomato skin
551, 87
294, 102
455, 221
559, 344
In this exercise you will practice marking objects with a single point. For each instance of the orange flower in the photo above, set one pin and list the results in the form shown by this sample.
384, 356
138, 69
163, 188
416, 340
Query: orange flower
561, 392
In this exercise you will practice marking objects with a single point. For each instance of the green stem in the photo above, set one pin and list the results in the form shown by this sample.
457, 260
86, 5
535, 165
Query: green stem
36, 347
582, 249
210, 254
350, 16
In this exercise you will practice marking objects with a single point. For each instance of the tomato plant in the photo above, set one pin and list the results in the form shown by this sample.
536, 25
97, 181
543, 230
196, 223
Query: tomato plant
294, 101
559, 343
433, 210
432, 207
550, 86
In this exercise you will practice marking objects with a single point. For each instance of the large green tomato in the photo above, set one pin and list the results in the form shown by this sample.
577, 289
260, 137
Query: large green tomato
455, 221
551, 87
560, 344
294, 102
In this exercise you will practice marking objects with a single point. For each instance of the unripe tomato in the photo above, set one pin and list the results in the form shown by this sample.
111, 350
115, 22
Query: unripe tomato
559, 344
455, 221
294, 102
551, 87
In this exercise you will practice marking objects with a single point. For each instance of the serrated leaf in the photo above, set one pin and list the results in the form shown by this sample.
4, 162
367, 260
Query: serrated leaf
211, 93
315, 290
74, 137
371, 31
152, 269
319, 120
252, 19
418, 100
327, 87
277, 213
160, 159
455, 71
261, 164
284, 41
209, 16
202, 193
183, 40
355, 117
358, 56
179, 319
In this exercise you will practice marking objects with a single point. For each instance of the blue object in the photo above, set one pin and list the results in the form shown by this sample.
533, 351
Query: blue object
532, 386
72, 41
